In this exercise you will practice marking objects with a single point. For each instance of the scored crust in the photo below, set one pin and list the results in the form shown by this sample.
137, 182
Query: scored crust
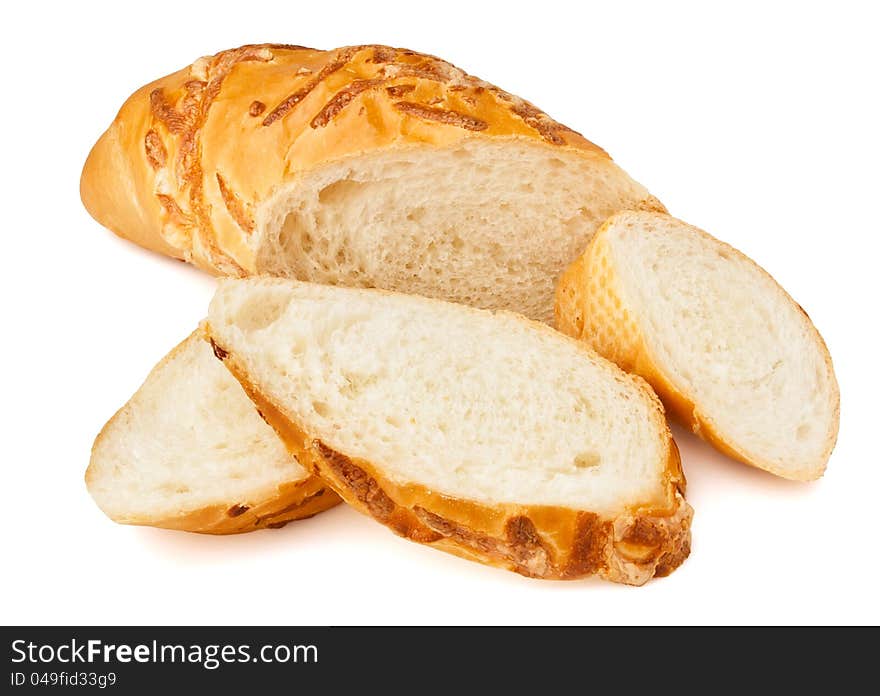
539, 541
292, 500
176, 173
590, 307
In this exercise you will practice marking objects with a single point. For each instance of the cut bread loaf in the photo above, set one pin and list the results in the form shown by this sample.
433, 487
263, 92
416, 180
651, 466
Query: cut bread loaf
479, 433
190, 451
364, 166
729, 352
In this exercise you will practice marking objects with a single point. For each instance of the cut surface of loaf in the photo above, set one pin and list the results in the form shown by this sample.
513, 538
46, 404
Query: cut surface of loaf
365, 166
481, 433
190, 451
726, 348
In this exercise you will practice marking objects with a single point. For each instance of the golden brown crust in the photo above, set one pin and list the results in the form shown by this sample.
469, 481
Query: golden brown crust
293, 500
176, 173
591, 307
537, 541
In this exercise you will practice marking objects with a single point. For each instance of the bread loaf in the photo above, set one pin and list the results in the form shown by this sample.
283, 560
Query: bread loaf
364, 166
190, 451
730, 353
479, 433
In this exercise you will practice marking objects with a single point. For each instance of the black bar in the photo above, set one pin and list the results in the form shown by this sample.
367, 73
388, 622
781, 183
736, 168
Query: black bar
228, 659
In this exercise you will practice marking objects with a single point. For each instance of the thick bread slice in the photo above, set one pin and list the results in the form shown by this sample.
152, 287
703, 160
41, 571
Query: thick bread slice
365, 166
480, 433
729, 352
190, 451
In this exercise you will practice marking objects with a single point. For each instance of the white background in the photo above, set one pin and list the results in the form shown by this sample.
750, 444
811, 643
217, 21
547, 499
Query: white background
757, 122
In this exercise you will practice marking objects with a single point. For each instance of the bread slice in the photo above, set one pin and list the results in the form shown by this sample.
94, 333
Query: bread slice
365, 166
190, 451
479, 433
729, 352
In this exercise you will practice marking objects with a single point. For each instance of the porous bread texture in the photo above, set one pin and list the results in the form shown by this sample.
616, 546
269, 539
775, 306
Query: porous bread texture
190, 451
489, 224
728, 350
446, 422
475, 406
363, 166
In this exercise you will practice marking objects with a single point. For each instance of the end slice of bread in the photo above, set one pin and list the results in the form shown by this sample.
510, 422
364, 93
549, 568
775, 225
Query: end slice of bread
363, 166
190, 451
726, 348
480, 433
